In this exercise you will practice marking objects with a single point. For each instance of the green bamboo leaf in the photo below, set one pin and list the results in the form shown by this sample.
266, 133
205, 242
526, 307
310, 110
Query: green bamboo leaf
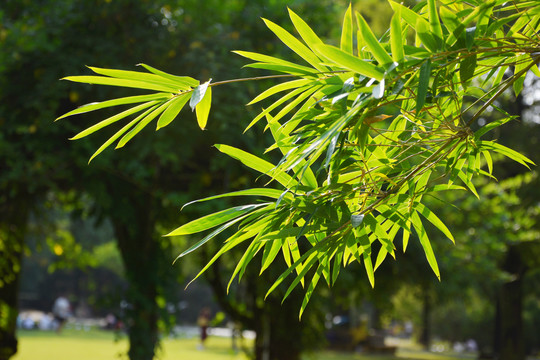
310, 289
244, 261
278, 133
113, 119
271, 249
294, 84
198, 94
295, 45
120, 133
426, 37
232, 242
376, 49
257, 164
453, 24
213, 220
142, 124
294, 103
277, 103
306, 33
501, 149
434, 21
423, 85
139, 76
365, 244
306, 260
426, 245
114, 102
181, 80
346, 43
521, 63
467, 66
396, 37
212, 235
202, 110
306, 267
350, 62
266, 192
406, 236
492, 125
172, 111
489, 161
407, 14
103, 80
381, 256
270, 60
434, 219
467, 181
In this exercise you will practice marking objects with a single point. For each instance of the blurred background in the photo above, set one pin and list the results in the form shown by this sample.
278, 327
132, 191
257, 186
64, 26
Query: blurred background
92, 234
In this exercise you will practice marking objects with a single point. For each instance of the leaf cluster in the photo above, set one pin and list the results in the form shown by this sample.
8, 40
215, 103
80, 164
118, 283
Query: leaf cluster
366, 131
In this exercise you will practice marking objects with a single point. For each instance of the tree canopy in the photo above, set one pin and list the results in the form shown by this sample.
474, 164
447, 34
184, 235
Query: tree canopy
365, 131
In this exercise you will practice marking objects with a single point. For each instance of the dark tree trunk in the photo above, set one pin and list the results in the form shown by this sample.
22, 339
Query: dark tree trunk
280, 334
425, 332
279, 331
509, 340
12, 232
140, 253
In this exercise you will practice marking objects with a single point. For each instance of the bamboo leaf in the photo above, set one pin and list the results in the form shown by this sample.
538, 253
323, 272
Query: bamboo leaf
270, 252
350, 62
306, 33
103, 80
424, 34
434, 219
376, 49
182, 80
114, 102
92, 129
210, 236
256, 163
213, 220
270, 60
140, 76
396, 37
295, 45
142, 124
346, 43
423, 85
467, 66
202, 110
266, 192
294, 84
119, 133
172, 111
434, 21
492, 125
426, 245
501, 149
198, 94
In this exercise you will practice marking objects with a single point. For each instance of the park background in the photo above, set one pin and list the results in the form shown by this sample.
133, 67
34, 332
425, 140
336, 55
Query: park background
94, 231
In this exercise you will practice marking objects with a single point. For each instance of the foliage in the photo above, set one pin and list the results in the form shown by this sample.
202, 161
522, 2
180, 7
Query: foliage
367, 131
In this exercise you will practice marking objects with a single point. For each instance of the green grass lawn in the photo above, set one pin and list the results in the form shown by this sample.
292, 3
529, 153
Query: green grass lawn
101, 345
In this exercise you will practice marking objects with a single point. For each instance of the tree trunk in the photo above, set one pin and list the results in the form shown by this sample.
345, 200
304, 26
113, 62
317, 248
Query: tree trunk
279, 331
140, 253
509, 341
12, 233
425, 332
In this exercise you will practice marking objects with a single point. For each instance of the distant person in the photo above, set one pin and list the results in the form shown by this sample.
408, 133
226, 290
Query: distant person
203, 322
61, 312
46, 322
